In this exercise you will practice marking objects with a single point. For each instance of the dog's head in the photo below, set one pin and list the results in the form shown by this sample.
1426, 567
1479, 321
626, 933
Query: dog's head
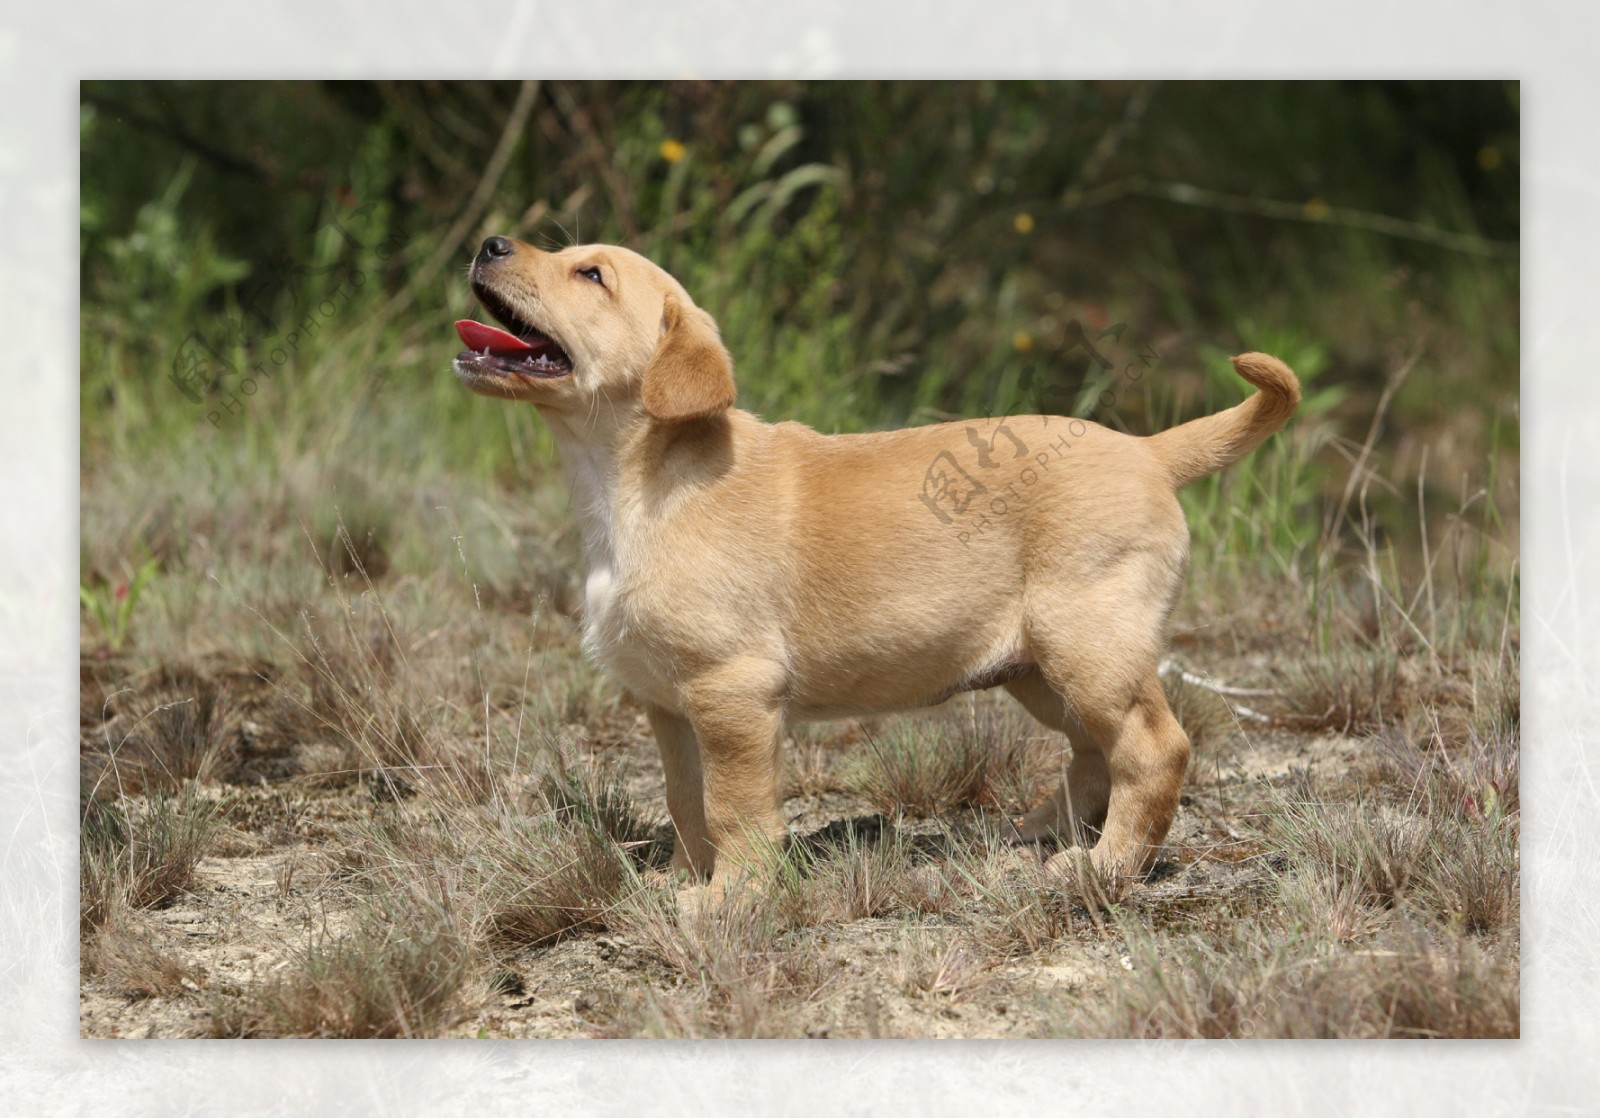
591, 325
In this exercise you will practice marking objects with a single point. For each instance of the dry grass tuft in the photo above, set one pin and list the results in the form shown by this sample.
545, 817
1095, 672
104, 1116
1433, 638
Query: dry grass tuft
537, 880
904, 769
186, 730
1475, 879
936, 966
398, 975
1478, 776
1330, 907
362, 690
531, 878
1025, 760
1024, 910
132, 856
808, 767
1472, 795
741, 970
1346, 692
857, 876
133, 961
1254, 982
1369, 849
192, 738
1443, 852
994, 758
593, 796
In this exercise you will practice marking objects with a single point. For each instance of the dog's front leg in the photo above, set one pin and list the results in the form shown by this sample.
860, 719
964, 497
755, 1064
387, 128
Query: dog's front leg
680, 758
738, 720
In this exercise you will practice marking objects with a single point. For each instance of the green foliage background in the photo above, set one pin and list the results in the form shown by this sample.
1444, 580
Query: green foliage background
877, 254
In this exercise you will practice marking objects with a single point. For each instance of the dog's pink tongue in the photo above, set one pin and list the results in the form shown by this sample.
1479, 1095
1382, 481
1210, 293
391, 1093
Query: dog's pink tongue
481, 336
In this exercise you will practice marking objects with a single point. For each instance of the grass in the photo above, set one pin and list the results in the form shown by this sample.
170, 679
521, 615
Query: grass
531, 878
1027, 912
1252, 982
1353, 845
461, 819
140, 962
994, 758
857, 875
940, 967
1473, 795
736, 969
454, 796
1454, 860
398, 974
183, 730
1352, 691
905, 770
139, 855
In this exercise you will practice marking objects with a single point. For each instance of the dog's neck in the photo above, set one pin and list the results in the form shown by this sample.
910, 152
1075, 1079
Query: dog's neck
614, 457
591, 449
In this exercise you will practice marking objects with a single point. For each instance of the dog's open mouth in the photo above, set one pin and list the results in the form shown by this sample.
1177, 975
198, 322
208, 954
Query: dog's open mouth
521, 349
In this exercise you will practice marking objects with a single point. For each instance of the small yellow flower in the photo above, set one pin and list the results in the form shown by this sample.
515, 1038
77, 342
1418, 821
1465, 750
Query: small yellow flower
1317, 209
672, 151
1488, 157
1023, 222
1022, 341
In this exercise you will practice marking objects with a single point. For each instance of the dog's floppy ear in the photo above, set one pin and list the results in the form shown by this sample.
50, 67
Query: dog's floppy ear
691, 375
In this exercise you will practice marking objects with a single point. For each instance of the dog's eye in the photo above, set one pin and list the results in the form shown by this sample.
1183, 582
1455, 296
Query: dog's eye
592, 274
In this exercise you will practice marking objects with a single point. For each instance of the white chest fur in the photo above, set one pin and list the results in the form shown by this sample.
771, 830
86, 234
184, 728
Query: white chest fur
608, 633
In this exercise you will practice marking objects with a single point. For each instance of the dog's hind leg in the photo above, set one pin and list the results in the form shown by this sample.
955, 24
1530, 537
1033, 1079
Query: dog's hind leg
1147, 763
1126, 777
1099, 655
1078, 805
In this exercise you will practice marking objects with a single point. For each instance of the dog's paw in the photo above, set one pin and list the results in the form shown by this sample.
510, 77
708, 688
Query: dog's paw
665, 878
1011, 832
700, 900
696, 899
1044, 825
1085, 876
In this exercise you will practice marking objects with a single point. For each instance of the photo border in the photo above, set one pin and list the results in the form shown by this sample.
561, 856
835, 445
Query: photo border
44, 53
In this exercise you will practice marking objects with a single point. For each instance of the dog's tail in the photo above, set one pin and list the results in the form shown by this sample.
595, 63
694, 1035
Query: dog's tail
1206, 445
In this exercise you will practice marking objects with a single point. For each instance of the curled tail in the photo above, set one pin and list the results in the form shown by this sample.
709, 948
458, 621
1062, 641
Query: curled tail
1206, 445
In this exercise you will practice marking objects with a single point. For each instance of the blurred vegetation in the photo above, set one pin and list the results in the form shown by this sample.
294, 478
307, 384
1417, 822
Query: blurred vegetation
876, 253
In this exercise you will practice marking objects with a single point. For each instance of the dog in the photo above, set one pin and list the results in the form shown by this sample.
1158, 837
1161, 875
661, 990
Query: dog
743, 575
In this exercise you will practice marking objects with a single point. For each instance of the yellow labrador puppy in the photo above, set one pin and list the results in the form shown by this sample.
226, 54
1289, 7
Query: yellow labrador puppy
743, 575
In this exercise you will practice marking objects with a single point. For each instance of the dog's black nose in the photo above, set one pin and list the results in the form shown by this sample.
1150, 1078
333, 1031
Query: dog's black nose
495, 247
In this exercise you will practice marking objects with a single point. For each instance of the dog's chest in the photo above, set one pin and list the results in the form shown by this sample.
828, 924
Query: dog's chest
609, 633
617, 638
604, 613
